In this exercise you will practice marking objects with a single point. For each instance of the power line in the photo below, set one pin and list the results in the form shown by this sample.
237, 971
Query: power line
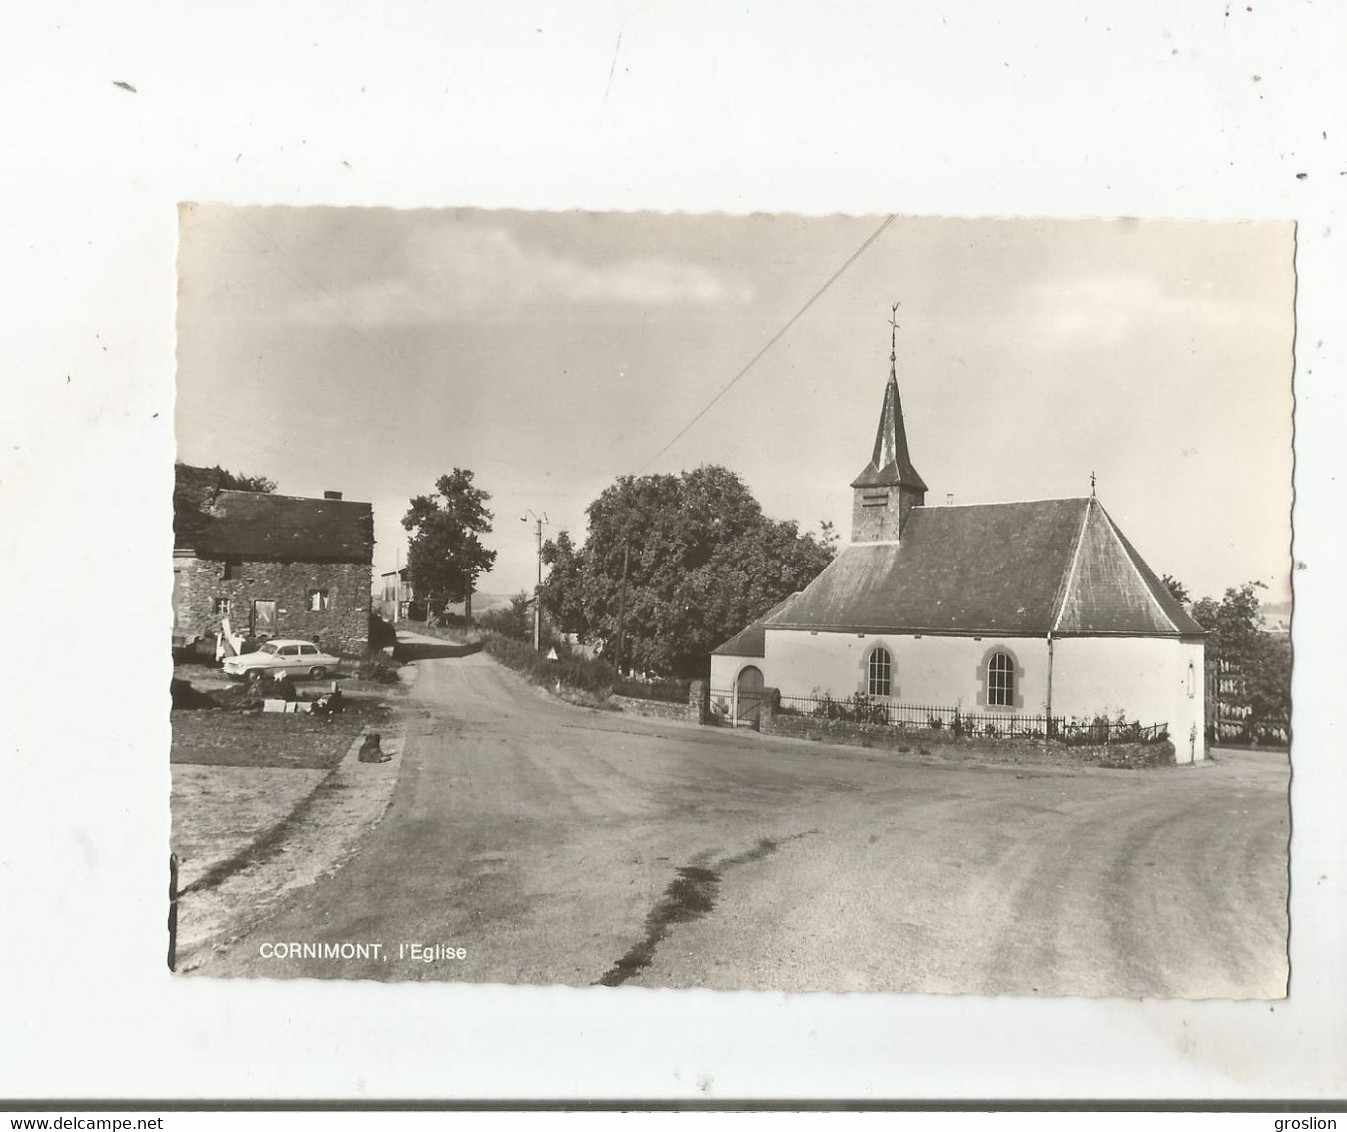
852, 258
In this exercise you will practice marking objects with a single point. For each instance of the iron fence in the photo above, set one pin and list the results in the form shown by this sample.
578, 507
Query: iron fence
956, 721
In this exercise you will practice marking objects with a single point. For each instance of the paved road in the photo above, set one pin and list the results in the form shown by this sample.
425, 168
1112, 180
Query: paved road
562, 845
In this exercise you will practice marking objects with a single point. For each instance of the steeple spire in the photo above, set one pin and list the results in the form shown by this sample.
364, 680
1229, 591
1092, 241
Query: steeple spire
890, 464
889, 481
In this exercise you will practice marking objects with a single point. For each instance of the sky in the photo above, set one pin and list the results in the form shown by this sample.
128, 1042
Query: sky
371, 350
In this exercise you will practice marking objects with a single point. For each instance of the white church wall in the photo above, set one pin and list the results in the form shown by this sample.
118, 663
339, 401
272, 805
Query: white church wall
936, 670
1144, 677
725, 669
1188, 722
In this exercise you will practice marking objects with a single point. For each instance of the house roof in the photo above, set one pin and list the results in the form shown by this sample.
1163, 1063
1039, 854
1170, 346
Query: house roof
256, 525
1005, 569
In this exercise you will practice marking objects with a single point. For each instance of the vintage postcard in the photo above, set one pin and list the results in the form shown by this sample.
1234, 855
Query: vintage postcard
845, 603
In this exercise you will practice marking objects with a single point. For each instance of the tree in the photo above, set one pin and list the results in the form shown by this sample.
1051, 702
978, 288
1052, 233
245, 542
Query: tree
1232, 623
445, 556
1177, 589
516, 621
561, 593
1267, 683
221, 479
1262, 662
236, 481
702, 562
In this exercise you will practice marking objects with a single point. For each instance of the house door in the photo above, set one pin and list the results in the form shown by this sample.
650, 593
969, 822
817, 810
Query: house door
264, 619
748, 697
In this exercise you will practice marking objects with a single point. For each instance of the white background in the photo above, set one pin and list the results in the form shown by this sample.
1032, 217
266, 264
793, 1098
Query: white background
1196, 109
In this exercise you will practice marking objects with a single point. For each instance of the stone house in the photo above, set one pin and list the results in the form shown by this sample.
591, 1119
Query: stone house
275, 565
1031, 609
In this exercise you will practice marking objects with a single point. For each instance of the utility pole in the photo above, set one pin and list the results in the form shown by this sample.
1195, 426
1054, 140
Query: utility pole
538, 521
621, 611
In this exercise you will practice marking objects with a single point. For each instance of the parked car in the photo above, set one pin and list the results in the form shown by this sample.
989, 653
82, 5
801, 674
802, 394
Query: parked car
295, 658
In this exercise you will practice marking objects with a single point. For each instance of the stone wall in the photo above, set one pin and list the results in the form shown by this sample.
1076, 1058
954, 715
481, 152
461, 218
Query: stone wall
660, 709
343, 627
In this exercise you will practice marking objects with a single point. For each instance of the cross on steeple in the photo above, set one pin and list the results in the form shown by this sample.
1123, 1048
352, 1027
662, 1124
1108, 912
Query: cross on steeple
1092, 485
893, 342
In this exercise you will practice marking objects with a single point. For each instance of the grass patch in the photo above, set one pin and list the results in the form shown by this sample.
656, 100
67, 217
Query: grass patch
261, 739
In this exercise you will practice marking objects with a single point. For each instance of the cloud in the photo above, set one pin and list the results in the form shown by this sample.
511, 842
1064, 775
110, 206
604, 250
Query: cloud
1107, 311
463, 270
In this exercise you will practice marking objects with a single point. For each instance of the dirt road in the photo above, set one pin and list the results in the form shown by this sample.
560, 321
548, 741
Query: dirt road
553, 844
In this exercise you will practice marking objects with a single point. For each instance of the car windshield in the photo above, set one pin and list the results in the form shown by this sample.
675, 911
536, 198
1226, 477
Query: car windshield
269, 648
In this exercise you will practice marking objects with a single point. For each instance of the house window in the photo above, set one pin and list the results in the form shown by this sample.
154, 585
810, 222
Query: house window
231, 570
879, 672
221, 607
319, 600
1000, 681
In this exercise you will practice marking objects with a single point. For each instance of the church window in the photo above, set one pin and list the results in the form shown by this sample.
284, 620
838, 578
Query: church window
880, 673
1000, 681
1192, 680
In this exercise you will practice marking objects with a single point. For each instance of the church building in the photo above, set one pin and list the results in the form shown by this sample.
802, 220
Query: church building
1039, 609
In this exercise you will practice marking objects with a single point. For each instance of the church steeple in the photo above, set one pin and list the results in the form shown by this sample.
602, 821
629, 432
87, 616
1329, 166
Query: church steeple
889, 486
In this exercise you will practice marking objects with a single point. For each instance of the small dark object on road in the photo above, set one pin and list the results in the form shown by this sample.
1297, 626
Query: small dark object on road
370, 751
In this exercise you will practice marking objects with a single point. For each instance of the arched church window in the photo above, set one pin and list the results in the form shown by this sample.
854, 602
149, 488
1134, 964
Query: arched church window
880, 673
1000, 681
1192, 680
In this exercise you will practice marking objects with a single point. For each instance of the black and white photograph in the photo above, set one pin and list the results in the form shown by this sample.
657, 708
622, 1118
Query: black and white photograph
758, 602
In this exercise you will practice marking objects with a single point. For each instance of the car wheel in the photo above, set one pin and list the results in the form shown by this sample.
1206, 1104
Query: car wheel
317, 672
253, 674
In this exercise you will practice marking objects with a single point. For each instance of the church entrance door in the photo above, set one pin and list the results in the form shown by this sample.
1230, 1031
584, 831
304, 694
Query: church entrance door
748, 697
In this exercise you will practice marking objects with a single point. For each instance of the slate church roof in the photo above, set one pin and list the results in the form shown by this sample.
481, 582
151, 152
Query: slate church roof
999, 569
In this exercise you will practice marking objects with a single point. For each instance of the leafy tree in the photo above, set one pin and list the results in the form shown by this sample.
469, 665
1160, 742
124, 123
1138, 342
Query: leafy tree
516, 621
236, 481
1232, 623
562, 592
1177, 589
1262, 661
221, 479
702, 562
445, 556
1267, 683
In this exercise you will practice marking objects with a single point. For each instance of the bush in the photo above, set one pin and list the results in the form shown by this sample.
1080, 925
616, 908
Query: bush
584, 673
377, 667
